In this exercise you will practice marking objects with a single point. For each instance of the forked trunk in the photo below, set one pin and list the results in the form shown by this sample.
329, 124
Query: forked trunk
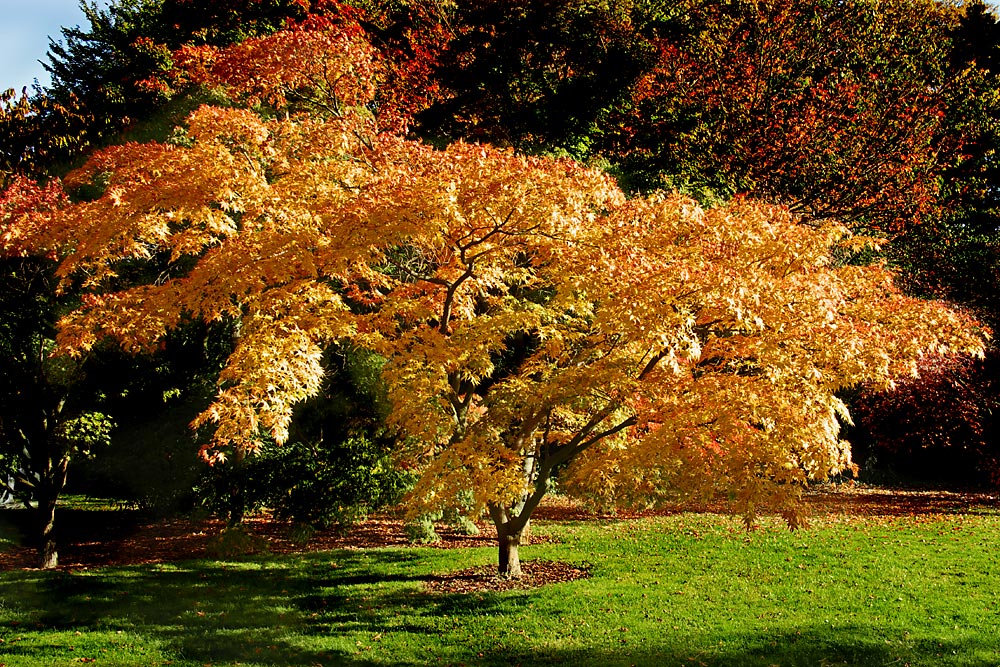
51, 484
513, 522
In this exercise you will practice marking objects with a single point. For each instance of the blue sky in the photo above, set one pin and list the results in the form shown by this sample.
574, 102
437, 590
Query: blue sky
25, 26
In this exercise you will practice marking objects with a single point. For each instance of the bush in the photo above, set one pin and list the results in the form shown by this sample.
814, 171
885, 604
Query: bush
421, 530
937, 428
321, 484
235, 541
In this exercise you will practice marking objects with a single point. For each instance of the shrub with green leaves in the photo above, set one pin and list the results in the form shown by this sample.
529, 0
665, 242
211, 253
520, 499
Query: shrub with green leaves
319, 484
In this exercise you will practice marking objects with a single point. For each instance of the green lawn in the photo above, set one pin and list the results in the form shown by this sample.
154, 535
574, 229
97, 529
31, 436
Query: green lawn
682, 590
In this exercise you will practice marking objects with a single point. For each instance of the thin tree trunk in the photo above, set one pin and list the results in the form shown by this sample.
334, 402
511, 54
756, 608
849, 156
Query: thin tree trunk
48, 554
51, 484
237, 489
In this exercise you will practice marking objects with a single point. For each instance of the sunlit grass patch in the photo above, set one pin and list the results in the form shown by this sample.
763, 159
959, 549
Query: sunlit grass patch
676, 590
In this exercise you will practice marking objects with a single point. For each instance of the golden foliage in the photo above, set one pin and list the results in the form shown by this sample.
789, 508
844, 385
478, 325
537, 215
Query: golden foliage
530, 314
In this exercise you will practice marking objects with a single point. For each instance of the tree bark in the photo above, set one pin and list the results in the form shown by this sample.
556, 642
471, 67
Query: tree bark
50, 485
511, 531
48, 553
509, 562
237, 489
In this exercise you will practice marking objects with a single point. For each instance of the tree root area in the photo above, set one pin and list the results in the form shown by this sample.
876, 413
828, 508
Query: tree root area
534, 573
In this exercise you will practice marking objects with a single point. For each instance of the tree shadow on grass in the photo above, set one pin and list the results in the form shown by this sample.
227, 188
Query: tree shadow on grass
808, 647
318, 609
252, 611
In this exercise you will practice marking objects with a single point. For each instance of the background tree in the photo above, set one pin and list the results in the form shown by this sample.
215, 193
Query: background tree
111, 73
36, 131
48, 417
941, 427
833, 108
538, 76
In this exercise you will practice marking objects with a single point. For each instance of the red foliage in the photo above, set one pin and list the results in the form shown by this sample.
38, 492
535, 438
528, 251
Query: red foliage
410, 43
836, 111
945, 414
336, 57
22, 221
319, 61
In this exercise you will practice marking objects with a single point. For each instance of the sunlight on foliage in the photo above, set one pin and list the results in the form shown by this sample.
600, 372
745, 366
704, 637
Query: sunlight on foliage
532, 318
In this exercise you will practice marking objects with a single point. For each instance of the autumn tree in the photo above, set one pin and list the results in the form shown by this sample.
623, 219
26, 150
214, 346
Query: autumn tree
531, 317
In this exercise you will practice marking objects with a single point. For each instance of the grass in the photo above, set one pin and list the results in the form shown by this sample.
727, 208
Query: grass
682, 590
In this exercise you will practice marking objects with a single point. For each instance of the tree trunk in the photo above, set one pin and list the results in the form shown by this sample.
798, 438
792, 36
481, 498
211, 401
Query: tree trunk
50, 485
513, 522
509, 538
48, 554
509, 561
237, 489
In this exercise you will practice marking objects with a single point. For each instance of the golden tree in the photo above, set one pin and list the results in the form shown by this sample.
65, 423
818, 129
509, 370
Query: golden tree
531, 317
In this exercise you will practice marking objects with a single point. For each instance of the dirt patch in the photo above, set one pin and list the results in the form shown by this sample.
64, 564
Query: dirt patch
483, 579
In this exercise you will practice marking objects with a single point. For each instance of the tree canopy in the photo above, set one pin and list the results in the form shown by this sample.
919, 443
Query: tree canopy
534, 319
530, 314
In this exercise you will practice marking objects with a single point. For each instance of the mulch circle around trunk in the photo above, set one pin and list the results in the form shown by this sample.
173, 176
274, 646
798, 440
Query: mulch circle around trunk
484, 579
